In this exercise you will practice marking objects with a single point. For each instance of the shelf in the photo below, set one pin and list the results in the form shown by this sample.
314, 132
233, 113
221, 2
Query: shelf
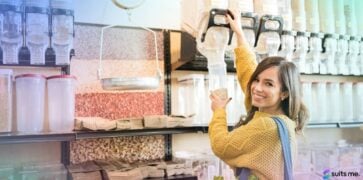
136, 132
10, 138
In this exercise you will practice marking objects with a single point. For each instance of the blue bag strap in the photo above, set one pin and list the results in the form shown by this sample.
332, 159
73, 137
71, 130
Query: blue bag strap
286, 149
244, 173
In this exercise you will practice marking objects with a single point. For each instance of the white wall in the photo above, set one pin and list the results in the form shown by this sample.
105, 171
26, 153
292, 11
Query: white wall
163, 14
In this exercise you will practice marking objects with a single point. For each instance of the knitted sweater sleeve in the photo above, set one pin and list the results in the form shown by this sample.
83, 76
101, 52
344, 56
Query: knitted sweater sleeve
245, 66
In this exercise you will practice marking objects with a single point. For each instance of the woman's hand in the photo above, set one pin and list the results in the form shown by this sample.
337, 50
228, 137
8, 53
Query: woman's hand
217, 102
236, 26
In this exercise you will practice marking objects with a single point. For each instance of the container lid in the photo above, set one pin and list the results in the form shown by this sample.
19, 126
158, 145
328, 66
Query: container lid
62, 77
30, 75
6, 71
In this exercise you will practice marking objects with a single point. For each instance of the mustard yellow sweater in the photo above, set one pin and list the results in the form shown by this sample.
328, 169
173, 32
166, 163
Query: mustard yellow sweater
255, 145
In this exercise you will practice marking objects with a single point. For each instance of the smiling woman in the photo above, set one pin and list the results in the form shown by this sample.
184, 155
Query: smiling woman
260, 145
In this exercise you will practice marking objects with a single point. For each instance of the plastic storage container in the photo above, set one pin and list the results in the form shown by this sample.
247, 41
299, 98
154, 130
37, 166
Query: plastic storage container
334, 98
350, 17
37, 29
62, 29
339, 17
299, 17
30, 93
6, 96
312, 16
11, 32
191, 97
326, 16
61, 102
346, 92
358, 101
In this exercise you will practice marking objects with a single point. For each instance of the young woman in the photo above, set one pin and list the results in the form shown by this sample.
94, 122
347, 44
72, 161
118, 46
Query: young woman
272, 89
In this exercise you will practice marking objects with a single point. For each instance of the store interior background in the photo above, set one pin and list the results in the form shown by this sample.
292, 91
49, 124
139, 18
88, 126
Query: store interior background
121, 55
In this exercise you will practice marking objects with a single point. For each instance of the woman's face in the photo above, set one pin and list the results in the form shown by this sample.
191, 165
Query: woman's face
266, 91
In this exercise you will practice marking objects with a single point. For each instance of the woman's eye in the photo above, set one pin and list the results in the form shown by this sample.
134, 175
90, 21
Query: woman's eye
269, 84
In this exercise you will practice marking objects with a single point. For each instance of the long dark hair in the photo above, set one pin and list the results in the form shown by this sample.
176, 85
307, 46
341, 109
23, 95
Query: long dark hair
289, 77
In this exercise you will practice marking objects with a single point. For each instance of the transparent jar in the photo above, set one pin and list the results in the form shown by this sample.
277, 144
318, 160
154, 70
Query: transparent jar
314, 53
358, 101
339, 17
299, 17
6, 96
352, 59
328, 60
320, 100
37, 29
301, 49
333, 95
62, 30
360, 57
30, 97
346, 94
326, 16
312, 16
341, 54
191, 98
350, 17
11, 34
287, 44
61, 102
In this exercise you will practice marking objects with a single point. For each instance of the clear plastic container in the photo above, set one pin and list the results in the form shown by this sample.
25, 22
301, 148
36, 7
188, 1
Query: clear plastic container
320, 99
30, 93
359, 13
37, 29
6, 96
314, 54
360, 57
350, 17
217, 75
341, 54
301, 49
263, 7
241, 5
312, 16
352, 58
287, 44
327, 63
326, 16
333, 96
62, 29
325, 156
191, 98
299, 17
339, 17
346, 94
284, 8
61, 102
11, 32
358, 101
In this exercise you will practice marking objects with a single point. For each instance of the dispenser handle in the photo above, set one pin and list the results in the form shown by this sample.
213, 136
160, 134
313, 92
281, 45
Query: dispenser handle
253, 17
262, 28
211, 22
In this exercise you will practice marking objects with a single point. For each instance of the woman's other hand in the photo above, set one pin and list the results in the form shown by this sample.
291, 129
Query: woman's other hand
217, 102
